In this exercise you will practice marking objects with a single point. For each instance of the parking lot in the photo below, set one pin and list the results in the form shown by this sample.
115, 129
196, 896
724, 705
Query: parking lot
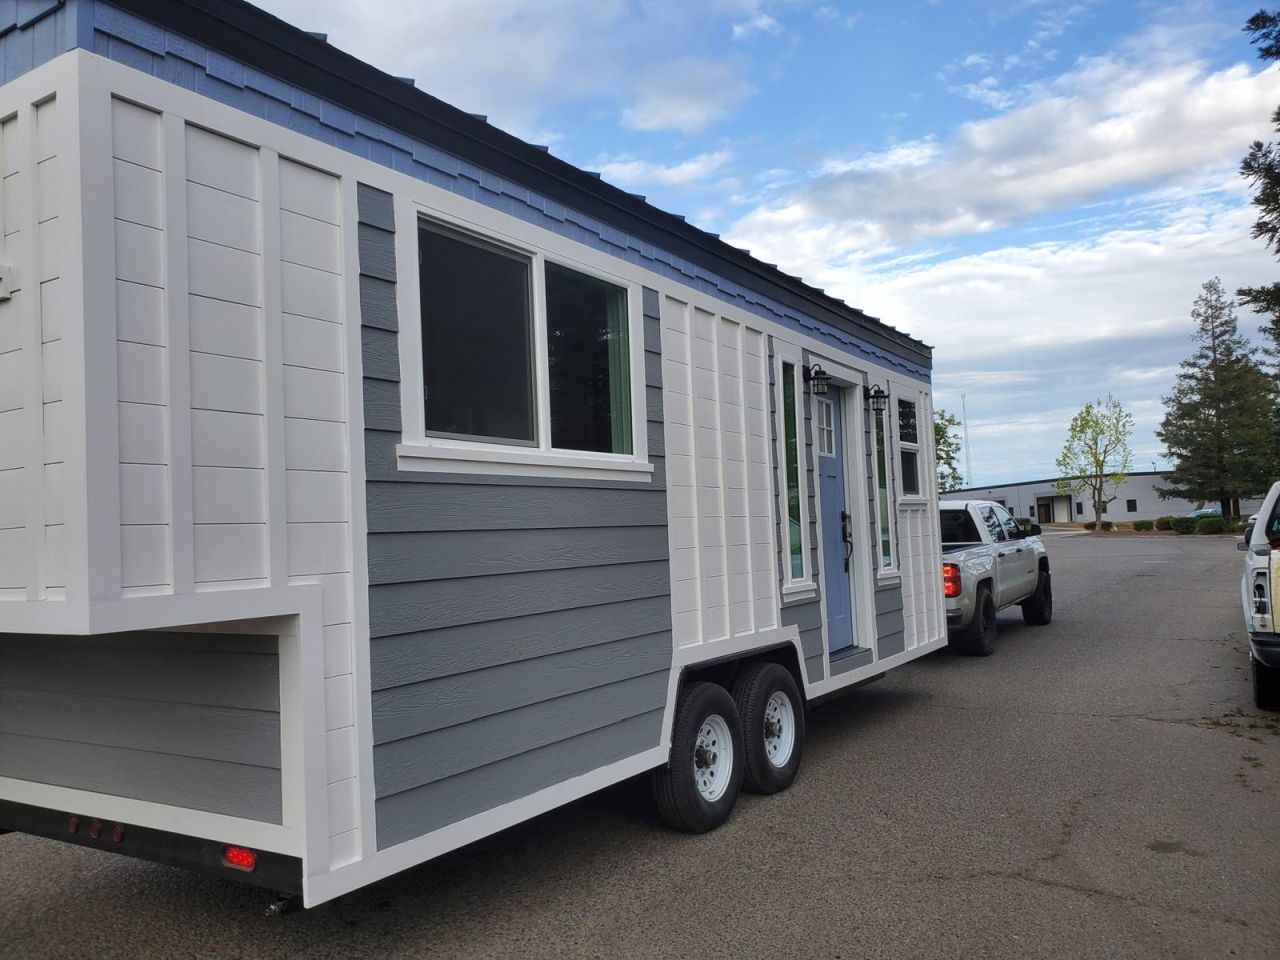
1101, 787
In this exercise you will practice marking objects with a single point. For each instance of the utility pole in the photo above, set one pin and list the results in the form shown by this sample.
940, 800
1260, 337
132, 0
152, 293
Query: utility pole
964, 425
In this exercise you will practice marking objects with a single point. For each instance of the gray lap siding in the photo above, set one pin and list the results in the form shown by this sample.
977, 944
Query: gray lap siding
520, 629
190, 720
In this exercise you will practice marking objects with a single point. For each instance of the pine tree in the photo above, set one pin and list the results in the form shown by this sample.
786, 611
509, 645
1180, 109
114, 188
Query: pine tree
1218, 426
1261, 167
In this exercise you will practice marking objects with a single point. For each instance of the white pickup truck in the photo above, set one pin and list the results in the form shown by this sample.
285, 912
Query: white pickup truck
1259, 588
990, 563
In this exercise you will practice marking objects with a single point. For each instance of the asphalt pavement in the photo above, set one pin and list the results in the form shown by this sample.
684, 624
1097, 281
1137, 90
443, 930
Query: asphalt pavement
1100, 787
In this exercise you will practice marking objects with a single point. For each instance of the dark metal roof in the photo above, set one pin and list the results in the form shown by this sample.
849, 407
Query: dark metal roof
243, 32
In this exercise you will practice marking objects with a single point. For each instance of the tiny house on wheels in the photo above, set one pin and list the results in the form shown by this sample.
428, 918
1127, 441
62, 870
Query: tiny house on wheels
372, 480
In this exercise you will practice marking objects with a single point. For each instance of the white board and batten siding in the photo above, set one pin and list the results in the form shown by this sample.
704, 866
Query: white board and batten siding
232, 395
720, 499
920, 538
34, 430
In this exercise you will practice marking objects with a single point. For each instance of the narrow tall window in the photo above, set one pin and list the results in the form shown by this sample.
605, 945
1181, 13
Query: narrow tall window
885, 521
589, 362
909, 448
477, 326
795, 530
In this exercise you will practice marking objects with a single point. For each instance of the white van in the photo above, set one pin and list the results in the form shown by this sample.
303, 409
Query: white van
1258, 589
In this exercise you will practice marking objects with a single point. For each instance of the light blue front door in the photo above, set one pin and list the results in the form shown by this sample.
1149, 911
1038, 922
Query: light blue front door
836, 524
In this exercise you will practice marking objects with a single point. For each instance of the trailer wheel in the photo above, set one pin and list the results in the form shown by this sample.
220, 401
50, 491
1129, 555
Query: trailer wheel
1266, 685
979, 638
772, 726
696, 790
1037, 609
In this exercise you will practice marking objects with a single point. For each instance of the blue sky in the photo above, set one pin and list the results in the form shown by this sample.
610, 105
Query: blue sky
1036, 189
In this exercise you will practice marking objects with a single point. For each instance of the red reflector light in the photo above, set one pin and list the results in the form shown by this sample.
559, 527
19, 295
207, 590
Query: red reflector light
95, 829
950, 580
73, 824
239, 858
117, 833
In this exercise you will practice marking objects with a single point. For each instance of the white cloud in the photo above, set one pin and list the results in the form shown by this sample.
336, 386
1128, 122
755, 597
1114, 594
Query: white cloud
685, 95
1108, 125
1031, 333
631, 172
757, 23
513, 60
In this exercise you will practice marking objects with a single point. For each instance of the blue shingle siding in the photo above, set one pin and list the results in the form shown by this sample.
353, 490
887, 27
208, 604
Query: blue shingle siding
521, 629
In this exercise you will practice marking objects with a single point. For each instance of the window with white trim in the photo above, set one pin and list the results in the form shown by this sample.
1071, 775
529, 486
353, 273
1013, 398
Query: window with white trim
528, 364
908, 449
824, 418
884, 492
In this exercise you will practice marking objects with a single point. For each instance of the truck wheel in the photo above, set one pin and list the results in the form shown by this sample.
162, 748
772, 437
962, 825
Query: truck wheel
1037, 609
979, 639
696, 790
1266, 686
772, 725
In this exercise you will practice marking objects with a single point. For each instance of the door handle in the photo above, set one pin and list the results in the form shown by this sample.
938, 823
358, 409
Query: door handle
1019, 549
1003, 553
846, 535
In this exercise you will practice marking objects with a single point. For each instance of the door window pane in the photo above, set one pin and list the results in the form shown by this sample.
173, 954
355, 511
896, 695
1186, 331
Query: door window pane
589, 363
795, 532
477, 359
825, 413
993, 524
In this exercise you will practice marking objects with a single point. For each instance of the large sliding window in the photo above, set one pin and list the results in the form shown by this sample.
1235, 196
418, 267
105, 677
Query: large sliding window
791, 453
505, 364
477, 324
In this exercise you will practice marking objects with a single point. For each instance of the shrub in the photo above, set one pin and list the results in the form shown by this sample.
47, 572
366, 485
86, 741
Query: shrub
1211, 525
1183, 524
1143, 525
1164, 523
1089, 524
1107, 526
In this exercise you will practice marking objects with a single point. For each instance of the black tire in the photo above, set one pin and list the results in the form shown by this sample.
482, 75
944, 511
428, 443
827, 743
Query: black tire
752, 691
1266, 686
675, 787
1037, 609
979, 638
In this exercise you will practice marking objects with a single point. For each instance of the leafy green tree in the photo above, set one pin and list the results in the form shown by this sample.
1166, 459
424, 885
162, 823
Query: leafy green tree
946, 443
1218, 426
1261, 167
1096, 458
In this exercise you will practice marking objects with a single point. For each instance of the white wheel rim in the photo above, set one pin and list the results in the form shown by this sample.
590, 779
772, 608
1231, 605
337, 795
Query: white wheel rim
713, 758
779, 729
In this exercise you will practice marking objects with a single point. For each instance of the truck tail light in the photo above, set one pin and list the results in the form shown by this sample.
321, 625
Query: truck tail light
950, 580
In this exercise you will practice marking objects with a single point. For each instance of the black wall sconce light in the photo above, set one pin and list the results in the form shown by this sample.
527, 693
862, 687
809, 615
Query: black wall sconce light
879, 399
818, 379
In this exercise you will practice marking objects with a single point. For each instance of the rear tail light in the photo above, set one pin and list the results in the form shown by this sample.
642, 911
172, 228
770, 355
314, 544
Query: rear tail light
95, 829
239, 858
950, 580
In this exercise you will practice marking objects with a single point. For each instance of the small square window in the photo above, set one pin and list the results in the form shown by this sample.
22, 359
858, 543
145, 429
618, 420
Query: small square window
1131, 506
